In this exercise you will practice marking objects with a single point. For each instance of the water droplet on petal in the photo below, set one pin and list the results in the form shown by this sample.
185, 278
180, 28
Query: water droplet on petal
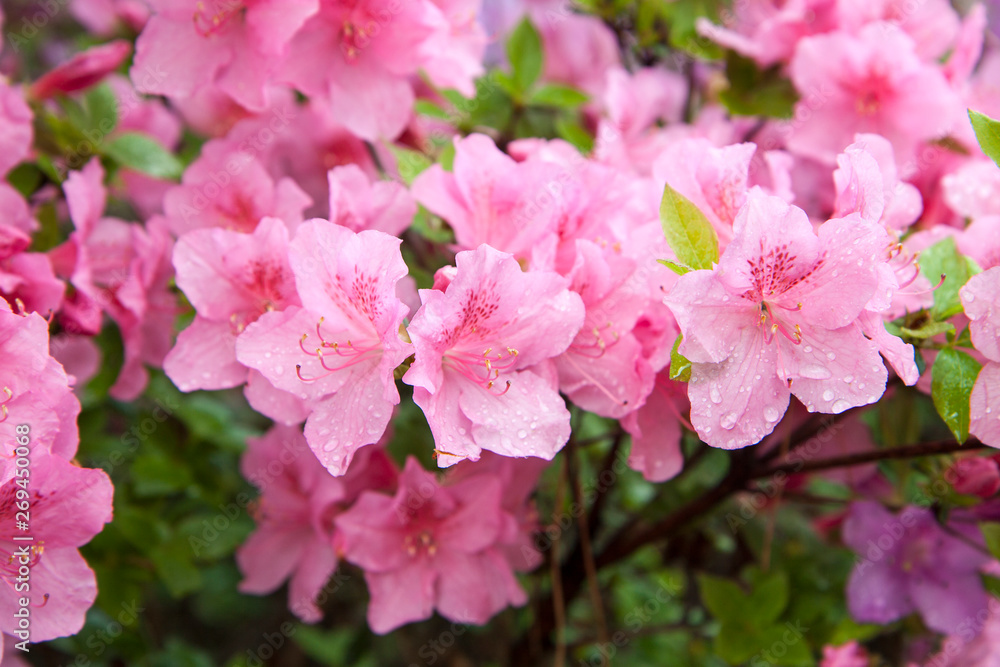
728, 421
771, 414
831, 356
807, 349
828, 395
814, 372
715, 394
848, 378
840, 406
522, 434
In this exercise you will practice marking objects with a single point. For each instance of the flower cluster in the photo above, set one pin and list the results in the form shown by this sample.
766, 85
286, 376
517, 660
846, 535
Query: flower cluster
333, 207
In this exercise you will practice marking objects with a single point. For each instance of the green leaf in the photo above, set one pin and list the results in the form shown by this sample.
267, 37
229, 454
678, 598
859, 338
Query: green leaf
943, 259
784, 645
524, 52
679, 269
142, 153
952, 379
556, 95
428, 108
988, 134
929, 330
991, 534
769, 597
688, 231
756, 92
680, 368
102, 110
410, 163
724, 599
574, 133
174, 567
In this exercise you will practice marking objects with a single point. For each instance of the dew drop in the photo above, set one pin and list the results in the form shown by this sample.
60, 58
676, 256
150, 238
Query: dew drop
828, 395
279, 370
715, 394
267, 355
839, 406
522, 434
831, 356
969, 296
771, 414
848, 379
728, 421
815, 372
807, 349
461, 431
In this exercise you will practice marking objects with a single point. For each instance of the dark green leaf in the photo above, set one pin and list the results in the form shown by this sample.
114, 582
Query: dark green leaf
753, 92
952, 379
943, 259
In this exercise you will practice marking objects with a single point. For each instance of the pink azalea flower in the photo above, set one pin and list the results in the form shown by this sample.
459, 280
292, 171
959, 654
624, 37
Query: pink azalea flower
454, 53
16, 129
69, 505
518, 479
778, 315
359, 204
869, 82
480, 345
973, 191
119, 268
604, 370
235, 47
975, 476
714, 179
83, 70
103, 17
338, 351
34, 390
295, 515
769, 31
429, 547
850, 654
231, 279
867, 182
488, 198
656, 431
579, 51
369, 48
963, 650
230, 188
932, 24
909, 564
981, 299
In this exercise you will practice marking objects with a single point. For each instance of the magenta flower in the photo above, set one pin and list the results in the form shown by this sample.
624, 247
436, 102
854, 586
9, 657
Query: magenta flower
83, 70
778, 315
480, 345
850, 654
339, 351
231, 279
299, 501
429, 547
909, 563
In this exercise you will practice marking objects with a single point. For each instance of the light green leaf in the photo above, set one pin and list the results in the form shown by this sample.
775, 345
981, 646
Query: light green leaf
929, 330
142, 153
680, 368
679, 269
556, 95
688, 231
952, 379
988, 134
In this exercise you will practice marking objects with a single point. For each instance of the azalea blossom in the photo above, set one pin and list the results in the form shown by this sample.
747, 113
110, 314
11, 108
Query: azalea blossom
778, 316
339, 350
481, 344
981, 300
295, 514
430, 547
